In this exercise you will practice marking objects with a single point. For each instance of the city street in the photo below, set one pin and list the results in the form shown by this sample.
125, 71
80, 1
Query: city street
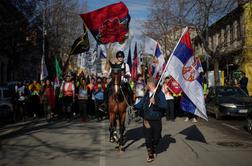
62, 62
212, 143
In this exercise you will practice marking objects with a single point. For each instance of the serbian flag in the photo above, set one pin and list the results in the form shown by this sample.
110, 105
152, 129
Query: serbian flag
159, 61
108, 24
135, 64
184, 67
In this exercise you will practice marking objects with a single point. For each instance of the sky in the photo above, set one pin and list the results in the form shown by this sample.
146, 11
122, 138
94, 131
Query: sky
139, 11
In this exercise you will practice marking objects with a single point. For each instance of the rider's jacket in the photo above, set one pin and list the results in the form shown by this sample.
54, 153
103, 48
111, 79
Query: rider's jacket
126, 71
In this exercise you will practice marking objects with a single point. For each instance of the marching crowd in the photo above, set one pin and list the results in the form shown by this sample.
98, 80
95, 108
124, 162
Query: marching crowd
76, 96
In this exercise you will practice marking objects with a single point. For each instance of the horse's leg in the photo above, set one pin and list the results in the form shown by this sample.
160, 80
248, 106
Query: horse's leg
122, 116
112, 127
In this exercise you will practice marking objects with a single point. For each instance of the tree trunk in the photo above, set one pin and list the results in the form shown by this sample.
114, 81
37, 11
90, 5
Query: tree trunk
216, 72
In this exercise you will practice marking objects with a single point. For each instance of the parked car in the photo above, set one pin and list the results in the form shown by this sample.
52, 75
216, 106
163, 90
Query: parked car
228, 101
6, 106
249, 122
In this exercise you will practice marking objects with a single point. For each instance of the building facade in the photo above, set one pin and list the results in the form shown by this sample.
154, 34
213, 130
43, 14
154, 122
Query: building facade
230, 40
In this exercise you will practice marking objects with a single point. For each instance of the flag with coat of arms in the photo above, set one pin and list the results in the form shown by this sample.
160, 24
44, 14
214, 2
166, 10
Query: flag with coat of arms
185, 68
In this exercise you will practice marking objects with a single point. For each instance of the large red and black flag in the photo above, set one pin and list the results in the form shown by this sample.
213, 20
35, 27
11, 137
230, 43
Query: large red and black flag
81, 44
108, 24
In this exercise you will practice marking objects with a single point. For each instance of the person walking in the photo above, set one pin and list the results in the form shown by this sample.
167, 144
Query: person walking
83, 93
68, 91
91, 99
48, 99
244, 83
152, 125
34, 98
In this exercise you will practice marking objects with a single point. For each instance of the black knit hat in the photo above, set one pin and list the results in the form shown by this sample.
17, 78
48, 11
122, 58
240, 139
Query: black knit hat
120, 54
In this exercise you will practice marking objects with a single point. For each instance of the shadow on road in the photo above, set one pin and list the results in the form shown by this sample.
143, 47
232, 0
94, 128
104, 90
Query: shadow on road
48, 150
136, 134
165, 143
132, 136
29, 127
194, 134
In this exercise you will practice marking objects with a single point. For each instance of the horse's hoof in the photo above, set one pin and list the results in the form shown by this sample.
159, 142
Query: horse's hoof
111, 140
116, 139
121, 149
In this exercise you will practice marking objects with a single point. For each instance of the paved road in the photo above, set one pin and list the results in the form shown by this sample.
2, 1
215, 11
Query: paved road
74, 143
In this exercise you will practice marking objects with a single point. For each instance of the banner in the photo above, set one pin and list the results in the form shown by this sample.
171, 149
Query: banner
129, 61
135, 64
173, 85
108, 24
44, 72
81, 44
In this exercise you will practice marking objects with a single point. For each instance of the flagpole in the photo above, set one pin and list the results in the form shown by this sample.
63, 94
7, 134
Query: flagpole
162, 75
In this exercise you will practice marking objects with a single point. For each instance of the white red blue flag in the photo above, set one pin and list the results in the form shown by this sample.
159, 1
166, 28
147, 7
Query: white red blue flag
159, 61
185, 68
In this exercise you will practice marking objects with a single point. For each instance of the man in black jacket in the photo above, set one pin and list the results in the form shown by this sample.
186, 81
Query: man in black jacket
244, 83
152, 115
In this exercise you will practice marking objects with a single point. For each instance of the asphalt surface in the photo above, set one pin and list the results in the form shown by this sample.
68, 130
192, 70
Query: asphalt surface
212, 143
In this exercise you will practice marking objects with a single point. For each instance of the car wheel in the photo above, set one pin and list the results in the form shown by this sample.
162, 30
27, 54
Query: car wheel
249, 125
217, 113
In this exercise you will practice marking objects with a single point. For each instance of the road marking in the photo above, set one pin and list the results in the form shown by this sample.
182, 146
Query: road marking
228, 125
103, 143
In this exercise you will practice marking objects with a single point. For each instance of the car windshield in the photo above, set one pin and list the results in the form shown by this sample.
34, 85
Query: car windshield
237, 92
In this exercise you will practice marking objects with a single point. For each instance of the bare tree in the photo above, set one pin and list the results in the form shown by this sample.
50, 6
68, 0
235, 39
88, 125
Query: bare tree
61, 24
168, 15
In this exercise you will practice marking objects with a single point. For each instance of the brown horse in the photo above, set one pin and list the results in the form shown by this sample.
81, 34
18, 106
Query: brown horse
117, 105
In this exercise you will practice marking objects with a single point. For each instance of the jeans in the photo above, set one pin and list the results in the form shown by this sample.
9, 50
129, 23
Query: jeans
153, 134
170, 110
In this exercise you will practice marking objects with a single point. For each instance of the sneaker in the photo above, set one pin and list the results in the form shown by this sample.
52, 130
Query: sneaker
194, 120
186, 119
150, 158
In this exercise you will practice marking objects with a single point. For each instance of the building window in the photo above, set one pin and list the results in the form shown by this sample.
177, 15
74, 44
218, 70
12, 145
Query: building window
228, 34
231, 33
238, 29
225, 37
222, 36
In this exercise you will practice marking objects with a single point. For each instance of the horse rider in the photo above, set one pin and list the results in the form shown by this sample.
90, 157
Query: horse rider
125, 77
